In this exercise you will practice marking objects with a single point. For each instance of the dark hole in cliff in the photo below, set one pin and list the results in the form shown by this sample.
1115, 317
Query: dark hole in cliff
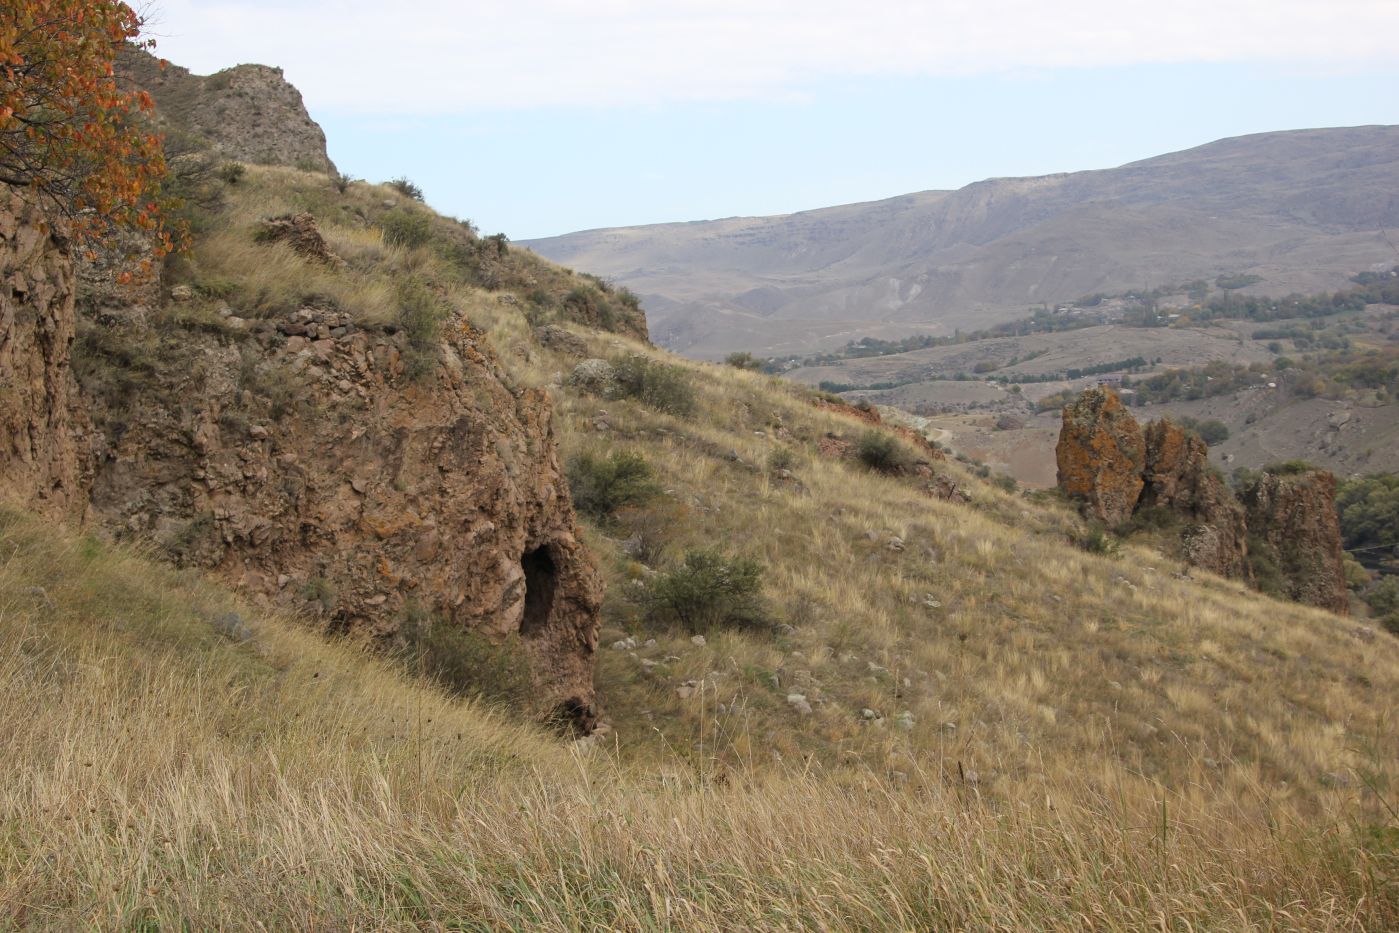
541, 576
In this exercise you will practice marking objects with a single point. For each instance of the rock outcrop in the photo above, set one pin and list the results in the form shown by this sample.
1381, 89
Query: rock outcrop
305, 466
300, 232
1285, 537
1101, 456
44, 443
249, 112
1293, 522
1178, 477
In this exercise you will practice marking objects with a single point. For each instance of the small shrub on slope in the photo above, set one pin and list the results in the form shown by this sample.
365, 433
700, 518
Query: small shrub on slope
602, 485
883, 453
709, 589
657, 385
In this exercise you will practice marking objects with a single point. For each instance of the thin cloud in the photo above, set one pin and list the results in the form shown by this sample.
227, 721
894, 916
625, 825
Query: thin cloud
435, 56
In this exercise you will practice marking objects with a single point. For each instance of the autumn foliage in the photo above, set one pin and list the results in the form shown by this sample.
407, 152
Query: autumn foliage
68, 131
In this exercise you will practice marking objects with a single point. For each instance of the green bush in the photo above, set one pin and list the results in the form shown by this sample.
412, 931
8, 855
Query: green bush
883, 453
1097, 540
232, 172
782, 458
742, 360
655, 384
461, 661
1383, 598
1369, 510
1212, 431
406, 188
602, 485
420, 314
709, 589
407, 228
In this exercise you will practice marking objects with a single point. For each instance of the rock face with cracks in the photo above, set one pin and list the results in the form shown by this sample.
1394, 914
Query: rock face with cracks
308, 468
44, 438
300, 460
1178, 477
1293, 522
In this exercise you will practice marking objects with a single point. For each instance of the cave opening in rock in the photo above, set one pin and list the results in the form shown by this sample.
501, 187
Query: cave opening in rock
541, 576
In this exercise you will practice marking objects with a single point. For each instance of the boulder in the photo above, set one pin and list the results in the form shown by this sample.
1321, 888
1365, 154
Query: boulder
1101, 455
557, 338
594, 376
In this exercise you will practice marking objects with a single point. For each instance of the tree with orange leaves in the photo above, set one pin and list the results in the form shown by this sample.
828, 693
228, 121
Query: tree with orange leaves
68, 133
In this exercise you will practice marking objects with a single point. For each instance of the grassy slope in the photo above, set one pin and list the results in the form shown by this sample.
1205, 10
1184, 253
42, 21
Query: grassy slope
1095, 740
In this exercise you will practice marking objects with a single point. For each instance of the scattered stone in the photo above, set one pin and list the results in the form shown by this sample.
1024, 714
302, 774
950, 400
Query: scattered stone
697, 640
895, 544
798, 702
231, 626
626, 644
904, 721
594, 376
181, 293
868, 714
555, 337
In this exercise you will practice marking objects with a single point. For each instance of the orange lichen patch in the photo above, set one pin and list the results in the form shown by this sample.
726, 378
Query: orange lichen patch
1101, 455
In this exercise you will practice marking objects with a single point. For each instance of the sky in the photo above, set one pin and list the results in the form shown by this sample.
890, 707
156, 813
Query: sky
540, 117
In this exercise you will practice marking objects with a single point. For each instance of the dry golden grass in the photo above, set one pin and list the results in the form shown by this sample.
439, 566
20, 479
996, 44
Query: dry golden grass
1092, 741
161, 775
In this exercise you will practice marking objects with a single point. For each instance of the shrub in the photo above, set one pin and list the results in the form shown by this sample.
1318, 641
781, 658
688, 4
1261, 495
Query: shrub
461, 661
602, 485
1096, 540
782, 458
1004, 481
883, 453
742, 360
1383, 598
655, 384
231, 173
409, 229
1212, 431
420, 314
406, 188
341, 181
709, 589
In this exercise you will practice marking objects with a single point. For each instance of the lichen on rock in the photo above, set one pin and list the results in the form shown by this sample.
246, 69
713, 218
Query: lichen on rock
1101, 455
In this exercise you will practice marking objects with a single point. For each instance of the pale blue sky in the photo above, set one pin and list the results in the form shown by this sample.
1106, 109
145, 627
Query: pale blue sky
624, 112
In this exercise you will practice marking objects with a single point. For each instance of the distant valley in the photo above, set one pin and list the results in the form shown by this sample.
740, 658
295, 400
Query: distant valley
1300, 211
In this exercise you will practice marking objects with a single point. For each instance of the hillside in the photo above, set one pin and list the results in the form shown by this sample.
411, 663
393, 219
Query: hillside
924, 662
363, 572
1302, 210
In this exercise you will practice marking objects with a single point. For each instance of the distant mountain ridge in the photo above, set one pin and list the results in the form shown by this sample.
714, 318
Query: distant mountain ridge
1302, 209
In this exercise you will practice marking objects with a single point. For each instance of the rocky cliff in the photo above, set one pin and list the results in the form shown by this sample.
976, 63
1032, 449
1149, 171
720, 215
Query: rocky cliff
300, 457
1297, 537
44, 439
296, 458
1178, 477
248, 113
1118, 471
1101, 456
